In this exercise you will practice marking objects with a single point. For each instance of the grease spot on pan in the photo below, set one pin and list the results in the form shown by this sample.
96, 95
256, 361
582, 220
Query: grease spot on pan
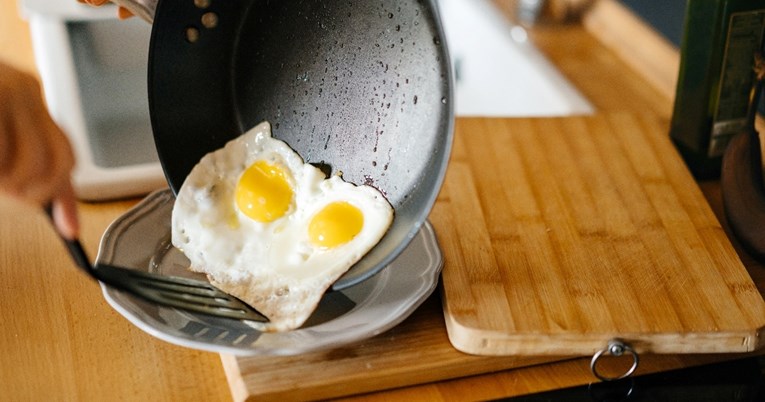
210, 20
192, 34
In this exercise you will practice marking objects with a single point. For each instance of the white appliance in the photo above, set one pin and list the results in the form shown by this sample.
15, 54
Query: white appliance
93, 68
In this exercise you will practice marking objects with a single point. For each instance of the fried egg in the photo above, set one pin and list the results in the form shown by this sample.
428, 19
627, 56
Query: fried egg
271, 229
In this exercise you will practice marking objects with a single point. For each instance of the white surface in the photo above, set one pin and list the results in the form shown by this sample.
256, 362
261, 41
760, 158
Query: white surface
140, 240
56, 64
498, 72
67, 10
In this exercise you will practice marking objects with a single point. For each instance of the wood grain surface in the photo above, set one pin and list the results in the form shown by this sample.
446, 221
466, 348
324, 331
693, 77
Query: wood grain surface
608, 80
62, 341
558, 235
561, 234
415, 352
649, 53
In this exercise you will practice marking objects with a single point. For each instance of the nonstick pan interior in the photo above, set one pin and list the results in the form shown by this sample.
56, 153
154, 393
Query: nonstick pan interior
361, 88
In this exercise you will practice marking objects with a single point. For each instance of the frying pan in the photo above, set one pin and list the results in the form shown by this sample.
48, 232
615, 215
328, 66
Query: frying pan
362, 88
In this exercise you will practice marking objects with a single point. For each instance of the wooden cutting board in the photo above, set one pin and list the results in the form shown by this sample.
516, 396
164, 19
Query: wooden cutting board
416, 351
562, 234
558, 234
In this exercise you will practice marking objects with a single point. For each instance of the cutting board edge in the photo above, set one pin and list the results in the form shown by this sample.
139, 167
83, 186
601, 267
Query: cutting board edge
236, 385
496, 343
674, 197
245, 387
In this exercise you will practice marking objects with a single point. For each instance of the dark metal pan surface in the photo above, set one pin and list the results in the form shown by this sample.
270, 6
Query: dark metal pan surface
359, 87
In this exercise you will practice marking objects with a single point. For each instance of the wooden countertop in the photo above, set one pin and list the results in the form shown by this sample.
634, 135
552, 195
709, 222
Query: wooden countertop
61, 341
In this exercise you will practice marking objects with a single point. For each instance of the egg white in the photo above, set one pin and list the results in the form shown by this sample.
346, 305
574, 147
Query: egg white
271, 266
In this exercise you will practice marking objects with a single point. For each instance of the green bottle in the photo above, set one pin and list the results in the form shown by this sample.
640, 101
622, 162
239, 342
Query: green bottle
715, 80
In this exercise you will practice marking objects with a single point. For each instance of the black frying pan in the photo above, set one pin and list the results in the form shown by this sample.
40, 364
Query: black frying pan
358, 87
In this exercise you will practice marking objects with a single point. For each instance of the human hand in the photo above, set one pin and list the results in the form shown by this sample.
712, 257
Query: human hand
122, 12
36, 159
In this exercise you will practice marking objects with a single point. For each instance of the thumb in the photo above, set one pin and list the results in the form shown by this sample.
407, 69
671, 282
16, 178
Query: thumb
65, 213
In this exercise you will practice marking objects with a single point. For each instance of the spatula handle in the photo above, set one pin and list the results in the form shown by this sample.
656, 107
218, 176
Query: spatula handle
74, 247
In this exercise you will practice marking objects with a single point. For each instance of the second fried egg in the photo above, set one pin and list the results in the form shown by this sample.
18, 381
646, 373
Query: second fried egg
271, 229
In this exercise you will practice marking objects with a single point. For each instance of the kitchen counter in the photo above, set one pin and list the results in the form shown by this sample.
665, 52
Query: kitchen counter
61, 340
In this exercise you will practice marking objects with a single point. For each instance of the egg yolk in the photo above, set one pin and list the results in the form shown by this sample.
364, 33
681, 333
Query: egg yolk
263, 192
336, 224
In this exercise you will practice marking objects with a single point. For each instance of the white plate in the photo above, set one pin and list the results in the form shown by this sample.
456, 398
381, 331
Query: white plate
140, 239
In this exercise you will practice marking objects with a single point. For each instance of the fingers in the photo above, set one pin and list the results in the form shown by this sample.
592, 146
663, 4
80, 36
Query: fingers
36, 159
23, 154
123, 13
65, 213
94, 2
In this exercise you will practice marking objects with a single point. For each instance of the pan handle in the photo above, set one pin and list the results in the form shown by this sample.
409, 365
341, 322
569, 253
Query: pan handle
141, 8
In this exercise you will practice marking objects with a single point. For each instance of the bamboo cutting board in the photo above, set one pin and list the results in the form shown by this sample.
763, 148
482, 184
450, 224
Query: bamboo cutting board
557, 234
562, 234
416, 351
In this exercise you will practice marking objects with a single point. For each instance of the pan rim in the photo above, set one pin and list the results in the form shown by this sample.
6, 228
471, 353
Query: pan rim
435, 168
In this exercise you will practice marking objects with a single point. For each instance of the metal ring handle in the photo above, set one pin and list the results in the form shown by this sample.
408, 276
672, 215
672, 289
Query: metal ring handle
615, 348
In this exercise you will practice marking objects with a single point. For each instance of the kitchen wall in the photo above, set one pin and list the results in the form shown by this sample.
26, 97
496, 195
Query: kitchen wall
666, 16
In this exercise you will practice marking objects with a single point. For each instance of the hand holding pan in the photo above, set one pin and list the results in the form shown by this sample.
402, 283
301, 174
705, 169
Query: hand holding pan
358, 87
